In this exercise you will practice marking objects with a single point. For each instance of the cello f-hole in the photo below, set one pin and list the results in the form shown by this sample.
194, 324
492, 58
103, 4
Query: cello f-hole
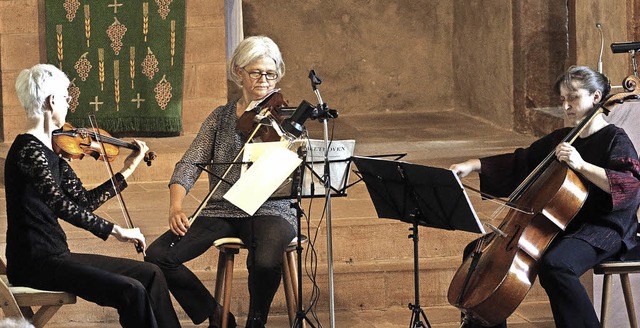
514, 235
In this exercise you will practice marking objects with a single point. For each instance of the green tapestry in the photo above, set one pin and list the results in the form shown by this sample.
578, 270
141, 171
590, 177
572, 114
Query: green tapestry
125, 62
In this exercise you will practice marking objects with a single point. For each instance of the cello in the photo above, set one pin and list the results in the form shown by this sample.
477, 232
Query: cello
490, 284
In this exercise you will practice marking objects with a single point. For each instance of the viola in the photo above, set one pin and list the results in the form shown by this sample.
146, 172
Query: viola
75, 143
493, 281
247, 122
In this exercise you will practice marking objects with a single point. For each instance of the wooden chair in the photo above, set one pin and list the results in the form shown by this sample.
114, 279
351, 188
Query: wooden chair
623, 268
228, 248
18, 302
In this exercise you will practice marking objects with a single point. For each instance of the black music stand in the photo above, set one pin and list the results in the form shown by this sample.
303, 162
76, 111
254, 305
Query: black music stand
420, 195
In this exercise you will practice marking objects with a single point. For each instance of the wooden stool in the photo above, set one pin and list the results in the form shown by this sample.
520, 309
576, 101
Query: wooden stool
231, 246
622, 268
21, 302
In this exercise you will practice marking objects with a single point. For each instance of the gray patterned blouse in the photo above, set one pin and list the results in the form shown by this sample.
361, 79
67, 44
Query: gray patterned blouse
218, 141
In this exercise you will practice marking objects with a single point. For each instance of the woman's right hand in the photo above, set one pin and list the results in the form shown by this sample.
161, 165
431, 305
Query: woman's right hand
178, 222
130, 235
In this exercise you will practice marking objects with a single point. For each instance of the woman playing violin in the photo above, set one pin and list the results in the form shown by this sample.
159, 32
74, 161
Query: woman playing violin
256, 66
606, 225
41, 187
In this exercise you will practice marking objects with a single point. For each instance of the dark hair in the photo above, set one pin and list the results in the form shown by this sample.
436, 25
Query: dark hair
586, 78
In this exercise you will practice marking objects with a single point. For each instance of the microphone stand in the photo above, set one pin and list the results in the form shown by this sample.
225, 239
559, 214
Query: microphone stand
323, 113
301, 315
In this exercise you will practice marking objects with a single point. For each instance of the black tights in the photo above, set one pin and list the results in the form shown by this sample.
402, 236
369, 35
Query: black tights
266, 237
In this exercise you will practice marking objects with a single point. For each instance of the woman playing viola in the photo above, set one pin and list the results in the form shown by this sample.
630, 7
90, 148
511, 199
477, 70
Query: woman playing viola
606, 225
41, 187
256, 66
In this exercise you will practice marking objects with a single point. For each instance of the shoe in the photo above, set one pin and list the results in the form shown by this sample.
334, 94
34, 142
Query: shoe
255, 323
215, 321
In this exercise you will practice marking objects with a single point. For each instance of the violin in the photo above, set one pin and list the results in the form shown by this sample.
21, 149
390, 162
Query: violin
248, 123
75, 143
491, 283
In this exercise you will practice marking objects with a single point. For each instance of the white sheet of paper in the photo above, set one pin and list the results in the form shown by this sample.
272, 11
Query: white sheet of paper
267, 173
340, 151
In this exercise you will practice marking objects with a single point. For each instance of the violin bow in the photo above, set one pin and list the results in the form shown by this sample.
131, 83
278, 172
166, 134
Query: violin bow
123, 206
204, 202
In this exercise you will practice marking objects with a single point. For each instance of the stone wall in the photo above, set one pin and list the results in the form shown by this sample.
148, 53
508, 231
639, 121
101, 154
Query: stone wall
19, 48
372, 55
612, 15
482, 60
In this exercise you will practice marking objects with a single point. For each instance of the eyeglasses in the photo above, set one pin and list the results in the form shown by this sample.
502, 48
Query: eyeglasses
67, 98
257, 75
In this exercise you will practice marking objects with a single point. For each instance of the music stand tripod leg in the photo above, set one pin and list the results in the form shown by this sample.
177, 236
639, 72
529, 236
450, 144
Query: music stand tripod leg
416, 310
301, 320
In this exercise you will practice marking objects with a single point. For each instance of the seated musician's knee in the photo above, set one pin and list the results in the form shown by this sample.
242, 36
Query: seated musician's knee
161, 258
133, 292
552, 269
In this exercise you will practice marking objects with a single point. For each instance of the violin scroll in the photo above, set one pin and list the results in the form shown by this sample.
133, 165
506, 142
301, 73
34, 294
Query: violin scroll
150, 156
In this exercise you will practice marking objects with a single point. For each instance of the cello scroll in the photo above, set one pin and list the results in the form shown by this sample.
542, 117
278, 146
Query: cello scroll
632, 91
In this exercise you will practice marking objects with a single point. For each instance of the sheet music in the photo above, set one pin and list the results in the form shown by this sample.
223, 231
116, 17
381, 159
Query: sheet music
466, 196
273, 163
340, 151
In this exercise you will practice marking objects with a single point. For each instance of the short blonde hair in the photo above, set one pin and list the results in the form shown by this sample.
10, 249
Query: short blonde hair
252, 49
35, 84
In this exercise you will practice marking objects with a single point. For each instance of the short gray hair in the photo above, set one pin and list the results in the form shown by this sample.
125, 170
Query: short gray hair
15, 323
35, 84
252, 49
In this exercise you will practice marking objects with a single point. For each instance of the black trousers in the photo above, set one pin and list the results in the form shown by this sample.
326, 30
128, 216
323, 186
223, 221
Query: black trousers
267, 237
559, 272
136, 289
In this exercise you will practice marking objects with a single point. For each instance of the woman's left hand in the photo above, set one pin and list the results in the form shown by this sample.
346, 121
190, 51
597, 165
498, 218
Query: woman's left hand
568, 154
136, 156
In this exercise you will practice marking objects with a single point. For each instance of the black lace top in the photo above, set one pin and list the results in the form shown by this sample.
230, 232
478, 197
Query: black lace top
40, 188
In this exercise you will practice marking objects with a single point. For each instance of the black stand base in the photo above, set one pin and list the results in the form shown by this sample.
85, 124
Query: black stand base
416, 311
416, 314
301, 318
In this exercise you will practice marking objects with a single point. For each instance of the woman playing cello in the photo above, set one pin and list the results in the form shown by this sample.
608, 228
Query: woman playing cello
605, 226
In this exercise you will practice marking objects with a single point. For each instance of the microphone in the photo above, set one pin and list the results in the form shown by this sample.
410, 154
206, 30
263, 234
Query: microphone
619, 47
295, 124
315, 80
599, 27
